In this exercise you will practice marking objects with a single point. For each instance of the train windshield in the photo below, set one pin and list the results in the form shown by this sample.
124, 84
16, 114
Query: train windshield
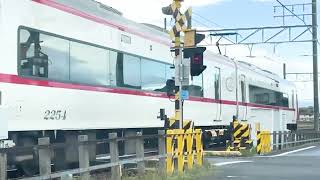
259, 95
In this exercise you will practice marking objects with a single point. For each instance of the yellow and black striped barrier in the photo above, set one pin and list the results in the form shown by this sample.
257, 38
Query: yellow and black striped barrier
263, 142
183, 144
240, 136
174, 124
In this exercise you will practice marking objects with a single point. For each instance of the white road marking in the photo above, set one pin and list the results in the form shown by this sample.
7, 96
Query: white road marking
237, 176
231, 162
290, 152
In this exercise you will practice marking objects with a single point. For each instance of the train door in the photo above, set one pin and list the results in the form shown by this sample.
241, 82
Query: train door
243, 109
217, 92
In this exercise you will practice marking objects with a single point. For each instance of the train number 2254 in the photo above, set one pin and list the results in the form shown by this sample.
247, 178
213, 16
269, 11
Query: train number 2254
55, 115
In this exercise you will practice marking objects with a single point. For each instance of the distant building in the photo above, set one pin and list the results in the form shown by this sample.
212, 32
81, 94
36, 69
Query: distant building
305, 117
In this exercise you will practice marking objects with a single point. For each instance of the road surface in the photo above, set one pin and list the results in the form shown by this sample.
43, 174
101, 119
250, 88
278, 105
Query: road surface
301, 164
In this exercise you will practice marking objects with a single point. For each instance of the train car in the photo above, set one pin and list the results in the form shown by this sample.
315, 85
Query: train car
72, 67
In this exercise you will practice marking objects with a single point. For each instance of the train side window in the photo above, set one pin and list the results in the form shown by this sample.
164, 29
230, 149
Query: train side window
57, 50
128, 71
32, 60
217, 83
196, 86
113, 56
169, 72
43, 55
153, 75
89, 64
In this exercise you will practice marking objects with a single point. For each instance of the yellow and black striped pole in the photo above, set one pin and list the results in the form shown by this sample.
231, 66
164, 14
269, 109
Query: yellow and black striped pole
259, 142
182, 24
178, 56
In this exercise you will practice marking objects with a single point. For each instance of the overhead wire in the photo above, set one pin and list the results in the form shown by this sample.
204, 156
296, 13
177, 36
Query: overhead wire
206, 19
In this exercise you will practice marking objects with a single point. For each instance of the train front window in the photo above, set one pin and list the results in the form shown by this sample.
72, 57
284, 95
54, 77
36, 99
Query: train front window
259, 95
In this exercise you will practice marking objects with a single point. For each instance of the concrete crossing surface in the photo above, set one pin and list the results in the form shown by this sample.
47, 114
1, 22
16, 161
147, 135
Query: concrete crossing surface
299, 164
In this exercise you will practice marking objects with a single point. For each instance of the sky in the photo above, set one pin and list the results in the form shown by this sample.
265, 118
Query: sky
220, 14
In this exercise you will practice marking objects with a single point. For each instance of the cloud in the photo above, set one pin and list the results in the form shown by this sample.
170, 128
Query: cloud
149, 11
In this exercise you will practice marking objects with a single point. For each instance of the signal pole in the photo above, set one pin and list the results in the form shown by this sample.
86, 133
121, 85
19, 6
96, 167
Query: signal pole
180, 24
315, 64
179, 67
188, 57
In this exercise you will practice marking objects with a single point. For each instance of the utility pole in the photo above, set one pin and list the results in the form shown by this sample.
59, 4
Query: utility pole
315, 64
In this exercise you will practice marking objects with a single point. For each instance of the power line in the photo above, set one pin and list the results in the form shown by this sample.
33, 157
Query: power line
206, 19
200, 23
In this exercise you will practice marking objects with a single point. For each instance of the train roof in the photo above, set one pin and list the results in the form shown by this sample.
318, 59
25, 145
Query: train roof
106, 12
100, 10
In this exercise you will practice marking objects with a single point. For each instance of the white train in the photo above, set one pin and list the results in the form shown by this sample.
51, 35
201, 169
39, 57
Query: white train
77, 65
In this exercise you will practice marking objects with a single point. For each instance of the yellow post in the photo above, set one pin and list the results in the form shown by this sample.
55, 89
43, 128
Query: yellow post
257, 127
199, 150
180, 149
170, 151
269, 142
266, 141
190, 153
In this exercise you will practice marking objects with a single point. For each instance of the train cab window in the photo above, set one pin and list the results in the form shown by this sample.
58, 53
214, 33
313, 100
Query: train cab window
217, 83
89, 64
153, 75
259, 95
43, 56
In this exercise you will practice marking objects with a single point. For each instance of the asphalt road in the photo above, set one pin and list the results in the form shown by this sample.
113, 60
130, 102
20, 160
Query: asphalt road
302, 165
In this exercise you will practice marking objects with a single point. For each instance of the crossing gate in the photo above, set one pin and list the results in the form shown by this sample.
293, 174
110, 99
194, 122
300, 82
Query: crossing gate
263, 142
240, 136
183, 146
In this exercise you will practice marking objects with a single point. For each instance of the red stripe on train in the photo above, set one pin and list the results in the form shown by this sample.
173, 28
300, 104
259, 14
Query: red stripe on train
62, 7
14, 79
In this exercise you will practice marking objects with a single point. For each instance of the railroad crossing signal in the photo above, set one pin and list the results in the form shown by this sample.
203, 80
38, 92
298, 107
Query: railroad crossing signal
196, 60
191, 39
183, 21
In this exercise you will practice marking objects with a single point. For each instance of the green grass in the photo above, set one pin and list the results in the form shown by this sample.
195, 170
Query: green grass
195, 173
249, 152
